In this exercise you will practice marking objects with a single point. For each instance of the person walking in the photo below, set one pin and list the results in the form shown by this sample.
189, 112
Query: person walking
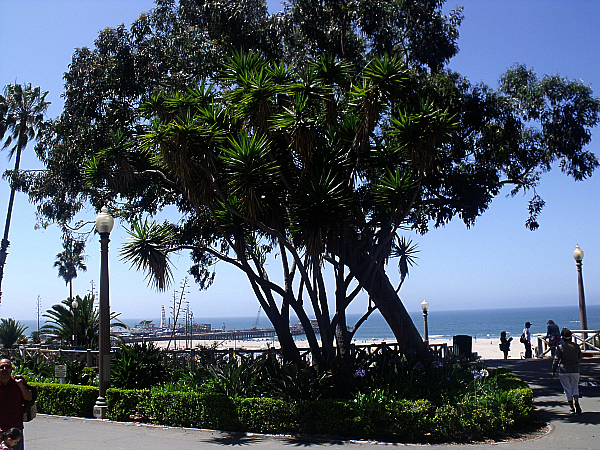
552, 336
526, 340
505, 344
568, 355
13, 391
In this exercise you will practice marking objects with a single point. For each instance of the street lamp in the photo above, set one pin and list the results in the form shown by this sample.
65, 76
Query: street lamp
425, 307
74, 306
104, 225
578, 255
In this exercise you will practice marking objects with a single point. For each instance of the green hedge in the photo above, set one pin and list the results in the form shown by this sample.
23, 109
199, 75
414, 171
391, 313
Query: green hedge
265, 415
410, 420
190, 409
65, 399
402, 421
127, 404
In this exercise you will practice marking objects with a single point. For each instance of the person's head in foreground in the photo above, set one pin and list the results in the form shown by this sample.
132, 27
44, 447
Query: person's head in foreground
11, 437
5, 370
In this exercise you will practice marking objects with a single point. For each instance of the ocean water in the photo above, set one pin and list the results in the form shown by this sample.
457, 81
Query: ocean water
443, 324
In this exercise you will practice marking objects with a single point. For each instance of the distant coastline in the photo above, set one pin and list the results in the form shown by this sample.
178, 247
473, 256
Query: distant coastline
479, 323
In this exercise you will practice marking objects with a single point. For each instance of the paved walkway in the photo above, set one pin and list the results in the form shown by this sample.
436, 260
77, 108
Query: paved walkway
566, 431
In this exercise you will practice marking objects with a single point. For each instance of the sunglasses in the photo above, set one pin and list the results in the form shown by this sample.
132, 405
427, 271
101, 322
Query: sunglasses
5, 367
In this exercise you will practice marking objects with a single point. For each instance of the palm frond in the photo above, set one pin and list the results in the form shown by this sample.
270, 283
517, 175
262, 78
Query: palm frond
423, 132
23, 108
59, 321
387, 74
393, 192
407, 252
250, 173
147, 249
300, 122
319, 209
11, 332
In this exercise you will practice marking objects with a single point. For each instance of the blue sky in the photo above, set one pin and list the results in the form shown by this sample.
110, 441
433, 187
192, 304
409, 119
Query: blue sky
497, 263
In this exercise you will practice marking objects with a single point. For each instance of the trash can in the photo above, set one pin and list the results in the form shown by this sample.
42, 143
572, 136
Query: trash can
463, 345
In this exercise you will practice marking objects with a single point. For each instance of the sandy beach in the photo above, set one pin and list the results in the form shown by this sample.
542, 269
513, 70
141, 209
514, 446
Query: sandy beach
485, 348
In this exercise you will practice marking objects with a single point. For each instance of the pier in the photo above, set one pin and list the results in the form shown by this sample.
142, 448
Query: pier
214, 335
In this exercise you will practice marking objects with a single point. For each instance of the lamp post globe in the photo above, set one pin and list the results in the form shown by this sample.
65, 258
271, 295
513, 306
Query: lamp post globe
425, 308
104, 225
578, 253
578, 256
104, 221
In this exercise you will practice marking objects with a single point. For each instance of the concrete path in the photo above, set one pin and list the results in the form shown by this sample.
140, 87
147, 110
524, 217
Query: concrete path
565, 431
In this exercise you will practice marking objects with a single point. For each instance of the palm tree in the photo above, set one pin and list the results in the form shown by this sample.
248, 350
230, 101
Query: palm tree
11, 331
60, 321
22, 111
36, 337
70, 261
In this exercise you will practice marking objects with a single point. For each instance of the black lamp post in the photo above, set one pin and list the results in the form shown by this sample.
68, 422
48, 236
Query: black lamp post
104, 225
578, 255
74, 306
425, 307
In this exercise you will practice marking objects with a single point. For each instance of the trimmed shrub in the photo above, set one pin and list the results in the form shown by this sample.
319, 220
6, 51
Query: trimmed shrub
410, 420
477, 421
220, 413
403, 420
189, 409
337, 417
127, 404
179, 409
518, 407
266, 415
446, 424
66, 399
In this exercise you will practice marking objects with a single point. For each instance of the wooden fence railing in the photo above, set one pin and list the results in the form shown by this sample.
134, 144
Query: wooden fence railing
205, 355
588, 340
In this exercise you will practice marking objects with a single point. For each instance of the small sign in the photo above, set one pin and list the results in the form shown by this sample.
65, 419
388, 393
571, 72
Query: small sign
60, 371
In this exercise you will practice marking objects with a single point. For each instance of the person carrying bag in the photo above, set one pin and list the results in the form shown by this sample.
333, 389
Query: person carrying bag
29, 406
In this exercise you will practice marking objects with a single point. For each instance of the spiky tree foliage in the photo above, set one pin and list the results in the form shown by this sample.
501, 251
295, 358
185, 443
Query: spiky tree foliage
180, 43
146, 250
315, 162
60, 321
22, 109
322, 167
11, 332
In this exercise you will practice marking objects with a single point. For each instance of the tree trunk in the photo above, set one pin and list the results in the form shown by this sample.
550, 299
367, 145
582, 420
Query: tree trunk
5, 242
311, 337
289, 349
385, 298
